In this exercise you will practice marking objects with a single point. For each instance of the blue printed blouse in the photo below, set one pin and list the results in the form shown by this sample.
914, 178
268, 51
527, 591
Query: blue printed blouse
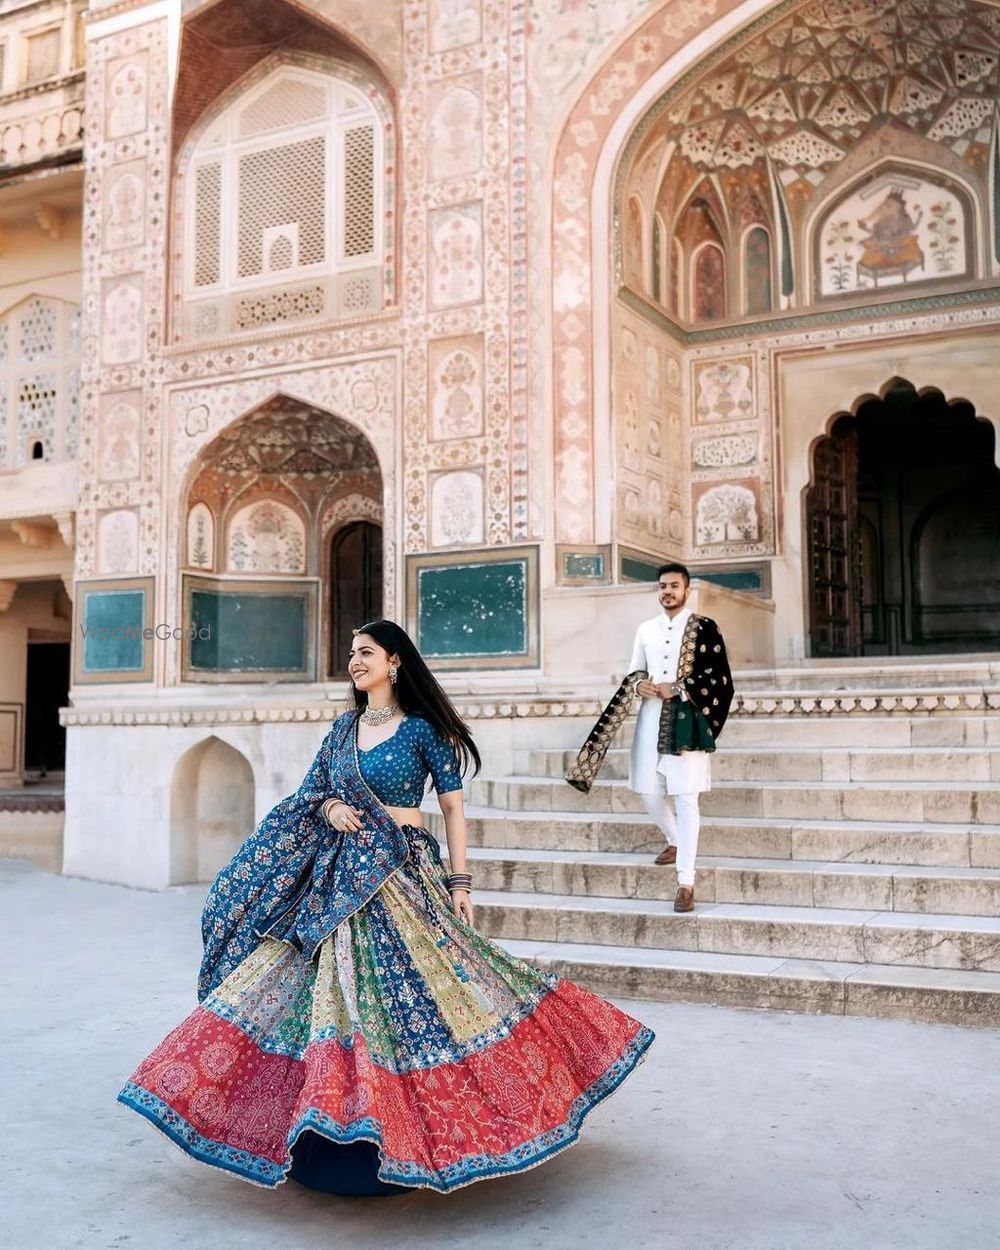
397, 769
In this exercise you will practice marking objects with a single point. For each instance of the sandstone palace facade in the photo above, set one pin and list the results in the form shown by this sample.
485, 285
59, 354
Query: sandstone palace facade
469, 313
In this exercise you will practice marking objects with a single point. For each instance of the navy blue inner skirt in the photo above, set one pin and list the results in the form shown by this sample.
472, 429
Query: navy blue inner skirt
331, 1168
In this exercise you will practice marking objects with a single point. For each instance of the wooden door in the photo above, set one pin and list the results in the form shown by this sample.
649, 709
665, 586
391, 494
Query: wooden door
835, 546
355, 587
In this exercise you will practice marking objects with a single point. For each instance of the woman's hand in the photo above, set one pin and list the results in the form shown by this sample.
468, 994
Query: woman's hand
342, 817
461, 903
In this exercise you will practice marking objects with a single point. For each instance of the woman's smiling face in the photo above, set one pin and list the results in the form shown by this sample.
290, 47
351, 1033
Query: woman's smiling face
369, 663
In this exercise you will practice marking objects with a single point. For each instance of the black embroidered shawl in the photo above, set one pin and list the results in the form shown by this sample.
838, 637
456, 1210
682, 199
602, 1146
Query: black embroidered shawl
707, 683
703, 675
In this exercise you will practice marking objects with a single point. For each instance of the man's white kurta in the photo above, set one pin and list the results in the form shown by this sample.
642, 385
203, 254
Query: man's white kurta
657, 649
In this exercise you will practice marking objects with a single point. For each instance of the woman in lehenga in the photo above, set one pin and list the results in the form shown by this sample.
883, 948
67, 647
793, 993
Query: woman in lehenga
354, 1030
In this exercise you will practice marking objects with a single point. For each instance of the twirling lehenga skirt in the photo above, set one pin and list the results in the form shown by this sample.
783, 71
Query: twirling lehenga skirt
410, 1052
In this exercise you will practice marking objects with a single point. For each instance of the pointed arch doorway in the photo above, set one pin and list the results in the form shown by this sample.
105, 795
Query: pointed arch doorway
355, 586
903, 529
270, 511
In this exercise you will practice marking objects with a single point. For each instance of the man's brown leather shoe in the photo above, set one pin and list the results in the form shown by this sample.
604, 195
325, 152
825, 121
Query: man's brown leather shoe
667, 856
684, 899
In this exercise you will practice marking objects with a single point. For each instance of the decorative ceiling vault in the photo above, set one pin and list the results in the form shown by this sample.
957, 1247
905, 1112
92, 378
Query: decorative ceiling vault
285, 436
286, 460
807, 90
825, 93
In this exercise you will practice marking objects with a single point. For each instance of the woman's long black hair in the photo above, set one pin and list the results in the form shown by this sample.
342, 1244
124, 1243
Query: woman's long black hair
417, 690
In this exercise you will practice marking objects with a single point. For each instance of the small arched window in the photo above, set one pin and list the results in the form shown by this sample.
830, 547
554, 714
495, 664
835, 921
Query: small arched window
708, 295
285, 206
634, 245
675, 288
757, 271
657, 258
700, 228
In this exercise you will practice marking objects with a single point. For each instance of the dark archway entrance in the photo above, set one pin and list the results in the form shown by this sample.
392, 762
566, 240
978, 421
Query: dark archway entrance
903, 517
46, 691
355, 586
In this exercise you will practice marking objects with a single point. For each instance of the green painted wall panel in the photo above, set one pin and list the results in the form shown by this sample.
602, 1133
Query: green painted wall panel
750, 580
113, 621
638, 570
584, 564
473, 609
248, 632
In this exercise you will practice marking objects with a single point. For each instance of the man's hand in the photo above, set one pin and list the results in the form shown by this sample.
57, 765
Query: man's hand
654, 690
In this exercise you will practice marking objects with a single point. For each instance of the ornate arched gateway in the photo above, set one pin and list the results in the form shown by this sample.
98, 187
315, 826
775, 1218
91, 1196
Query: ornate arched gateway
820, 180
282, 545
903, 520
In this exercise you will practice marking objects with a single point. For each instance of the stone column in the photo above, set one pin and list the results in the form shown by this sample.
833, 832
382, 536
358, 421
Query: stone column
124, 260
463, 118
115, 827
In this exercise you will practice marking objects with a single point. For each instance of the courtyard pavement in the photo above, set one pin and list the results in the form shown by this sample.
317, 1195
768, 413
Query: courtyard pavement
742, 1131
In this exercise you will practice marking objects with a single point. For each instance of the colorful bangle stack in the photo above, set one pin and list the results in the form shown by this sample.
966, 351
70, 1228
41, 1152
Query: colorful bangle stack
460, 881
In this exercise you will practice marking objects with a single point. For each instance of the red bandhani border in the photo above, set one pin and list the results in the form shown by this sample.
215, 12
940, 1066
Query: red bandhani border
501, 1108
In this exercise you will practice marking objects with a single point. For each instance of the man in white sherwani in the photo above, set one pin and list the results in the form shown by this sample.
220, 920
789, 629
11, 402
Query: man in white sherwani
685, 701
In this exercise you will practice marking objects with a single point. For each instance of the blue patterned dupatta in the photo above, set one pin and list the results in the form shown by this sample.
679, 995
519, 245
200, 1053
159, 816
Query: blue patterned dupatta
296, 878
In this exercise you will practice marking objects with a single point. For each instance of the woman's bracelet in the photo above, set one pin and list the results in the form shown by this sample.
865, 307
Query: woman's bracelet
460, 881
325, 808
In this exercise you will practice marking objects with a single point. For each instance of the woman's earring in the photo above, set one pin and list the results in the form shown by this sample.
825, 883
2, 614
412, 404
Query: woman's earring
392, 673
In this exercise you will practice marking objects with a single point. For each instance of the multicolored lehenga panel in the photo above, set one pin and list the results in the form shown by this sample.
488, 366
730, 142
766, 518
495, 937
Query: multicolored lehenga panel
409, 1030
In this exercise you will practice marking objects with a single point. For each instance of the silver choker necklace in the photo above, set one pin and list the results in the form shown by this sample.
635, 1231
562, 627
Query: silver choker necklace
379, 715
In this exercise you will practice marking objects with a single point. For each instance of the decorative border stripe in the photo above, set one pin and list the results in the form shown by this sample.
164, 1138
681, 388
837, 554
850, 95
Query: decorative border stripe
270, 1173
268, 1045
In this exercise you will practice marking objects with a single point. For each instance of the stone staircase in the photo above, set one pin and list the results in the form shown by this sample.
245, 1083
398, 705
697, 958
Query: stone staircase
849, 863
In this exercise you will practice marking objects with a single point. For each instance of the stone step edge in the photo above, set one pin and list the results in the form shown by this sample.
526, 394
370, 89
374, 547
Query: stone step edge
762, 913
892, 783
568, 754
969, 891
887, 827
639, 859
934, 995
960, 693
